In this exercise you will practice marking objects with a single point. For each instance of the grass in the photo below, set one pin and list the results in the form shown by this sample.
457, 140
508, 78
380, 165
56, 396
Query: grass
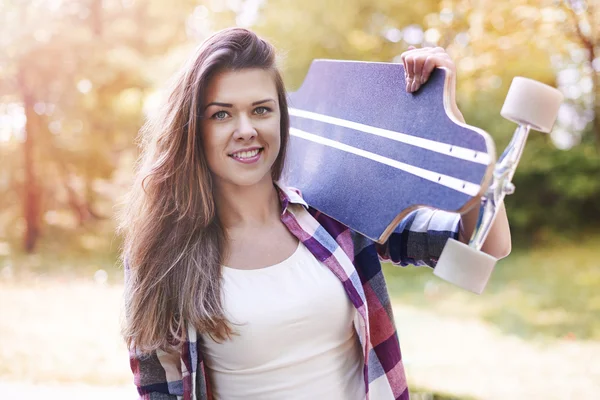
550, 292
64, 255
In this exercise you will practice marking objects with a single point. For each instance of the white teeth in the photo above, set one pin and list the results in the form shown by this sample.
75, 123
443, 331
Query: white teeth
246, 154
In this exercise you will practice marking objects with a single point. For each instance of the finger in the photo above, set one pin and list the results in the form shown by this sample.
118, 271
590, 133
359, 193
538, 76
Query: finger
418, 68
410, 72
428, 66
407, 53
416, 83
406, 77
405, 66
415, 86
404, 57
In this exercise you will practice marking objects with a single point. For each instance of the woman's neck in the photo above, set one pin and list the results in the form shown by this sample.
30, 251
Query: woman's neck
239, 207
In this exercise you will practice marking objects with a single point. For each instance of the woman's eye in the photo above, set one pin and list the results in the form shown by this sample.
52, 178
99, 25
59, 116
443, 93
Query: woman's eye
220, 115
261, 110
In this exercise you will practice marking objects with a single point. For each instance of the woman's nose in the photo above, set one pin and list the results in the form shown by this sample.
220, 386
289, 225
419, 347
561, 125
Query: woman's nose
245, 130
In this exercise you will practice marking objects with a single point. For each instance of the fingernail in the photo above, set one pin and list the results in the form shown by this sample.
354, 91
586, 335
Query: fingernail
423, 80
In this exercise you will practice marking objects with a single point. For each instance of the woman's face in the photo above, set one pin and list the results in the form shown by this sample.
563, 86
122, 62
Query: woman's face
241, 126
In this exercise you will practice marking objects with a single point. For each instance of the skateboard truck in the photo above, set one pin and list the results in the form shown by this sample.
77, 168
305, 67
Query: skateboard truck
532, 105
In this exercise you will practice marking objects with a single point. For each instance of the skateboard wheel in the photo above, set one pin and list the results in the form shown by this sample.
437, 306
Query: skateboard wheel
465, 266
533, 103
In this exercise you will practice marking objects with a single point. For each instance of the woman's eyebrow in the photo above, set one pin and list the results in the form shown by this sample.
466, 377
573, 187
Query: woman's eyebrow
214, 103
262, 101
227, 105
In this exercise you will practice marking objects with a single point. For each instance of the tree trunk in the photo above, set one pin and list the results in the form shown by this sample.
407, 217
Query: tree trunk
596, 105
31, 198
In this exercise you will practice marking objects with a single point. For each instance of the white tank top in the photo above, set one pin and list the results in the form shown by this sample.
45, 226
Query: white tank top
296, 335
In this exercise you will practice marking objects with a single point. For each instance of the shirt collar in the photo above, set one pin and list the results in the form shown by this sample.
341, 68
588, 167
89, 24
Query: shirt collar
289, 195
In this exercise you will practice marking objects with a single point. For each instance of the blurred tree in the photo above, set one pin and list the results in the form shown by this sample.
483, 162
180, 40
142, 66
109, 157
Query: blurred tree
554, 42
78, 71
584, 20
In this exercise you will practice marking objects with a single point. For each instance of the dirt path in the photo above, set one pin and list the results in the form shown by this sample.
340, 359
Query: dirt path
57, 336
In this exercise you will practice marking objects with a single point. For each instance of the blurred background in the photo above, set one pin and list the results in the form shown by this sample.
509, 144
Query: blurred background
78, 77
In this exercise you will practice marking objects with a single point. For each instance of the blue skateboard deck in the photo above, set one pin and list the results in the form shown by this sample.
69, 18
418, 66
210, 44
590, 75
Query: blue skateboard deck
366, 152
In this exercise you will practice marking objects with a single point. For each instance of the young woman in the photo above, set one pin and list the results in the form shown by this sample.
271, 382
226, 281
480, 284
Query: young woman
235, 287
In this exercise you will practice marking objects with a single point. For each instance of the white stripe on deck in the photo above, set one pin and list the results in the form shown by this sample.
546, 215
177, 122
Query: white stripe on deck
453, 183
443, 148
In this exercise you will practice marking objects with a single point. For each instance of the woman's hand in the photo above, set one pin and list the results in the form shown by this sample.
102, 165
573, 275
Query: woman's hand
419, 63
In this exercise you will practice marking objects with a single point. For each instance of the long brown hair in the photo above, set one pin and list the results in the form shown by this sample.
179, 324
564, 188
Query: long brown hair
173, 240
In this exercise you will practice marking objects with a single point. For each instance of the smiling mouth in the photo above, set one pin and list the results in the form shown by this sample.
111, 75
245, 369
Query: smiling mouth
242, 155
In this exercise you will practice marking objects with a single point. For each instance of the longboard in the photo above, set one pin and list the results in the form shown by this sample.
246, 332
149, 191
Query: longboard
366, 152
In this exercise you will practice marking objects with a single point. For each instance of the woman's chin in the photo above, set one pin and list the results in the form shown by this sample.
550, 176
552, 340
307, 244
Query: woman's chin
251, 178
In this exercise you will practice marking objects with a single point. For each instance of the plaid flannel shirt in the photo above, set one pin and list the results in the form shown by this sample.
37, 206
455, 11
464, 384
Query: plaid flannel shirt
356, 262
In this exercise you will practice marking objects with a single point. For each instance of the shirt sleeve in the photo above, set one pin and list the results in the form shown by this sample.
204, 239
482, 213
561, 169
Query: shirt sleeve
157, 375
420, 238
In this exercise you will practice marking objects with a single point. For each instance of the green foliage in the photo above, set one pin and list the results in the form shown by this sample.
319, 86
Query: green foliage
557, 191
